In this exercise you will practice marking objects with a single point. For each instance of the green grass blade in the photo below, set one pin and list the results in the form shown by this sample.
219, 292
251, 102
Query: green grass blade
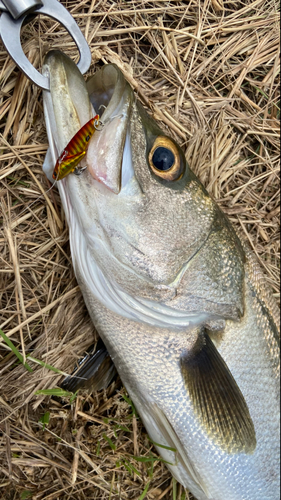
45, 365
151, 459
111, 444
163, 446
15, 351
56, 391
13, 348
130, 403
145, 459
144, 491
132, 467
45, 419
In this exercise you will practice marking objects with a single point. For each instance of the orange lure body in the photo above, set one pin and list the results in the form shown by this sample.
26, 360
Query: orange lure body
75, 150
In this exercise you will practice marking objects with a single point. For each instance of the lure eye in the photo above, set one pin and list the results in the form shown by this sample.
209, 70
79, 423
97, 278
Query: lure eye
164, 159
88, 138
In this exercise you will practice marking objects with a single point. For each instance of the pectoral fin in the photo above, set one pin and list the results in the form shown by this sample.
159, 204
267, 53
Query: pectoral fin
95, 371
218, 402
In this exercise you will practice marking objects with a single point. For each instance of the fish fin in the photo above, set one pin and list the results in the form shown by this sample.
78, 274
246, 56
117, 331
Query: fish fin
171, 437
217, 400
95, 371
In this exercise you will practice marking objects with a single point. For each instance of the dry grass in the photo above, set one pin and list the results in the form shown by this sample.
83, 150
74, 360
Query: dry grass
209, 72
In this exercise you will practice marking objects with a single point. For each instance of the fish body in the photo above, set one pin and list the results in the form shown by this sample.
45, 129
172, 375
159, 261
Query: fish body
177, 298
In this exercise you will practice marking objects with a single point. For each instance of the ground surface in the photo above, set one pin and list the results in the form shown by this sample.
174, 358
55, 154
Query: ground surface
208, 72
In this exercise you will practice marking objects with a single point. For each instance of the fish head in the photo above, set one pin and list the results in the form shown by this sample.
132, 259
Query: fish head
146, 203
142, 214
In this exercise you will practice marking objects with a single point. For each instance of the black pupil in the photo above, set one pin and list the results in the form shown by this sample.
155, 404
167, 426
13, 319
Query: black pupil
87, 138
163, 158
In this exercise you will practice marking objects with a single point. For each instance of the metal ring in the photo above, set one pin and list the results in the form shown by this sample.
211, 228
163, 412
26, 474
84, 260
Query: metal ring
97, 124
10, 33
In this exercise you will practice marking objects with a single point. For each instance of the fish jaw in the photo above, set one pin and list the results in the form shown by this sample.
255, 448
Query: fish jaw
67, 106
108, 89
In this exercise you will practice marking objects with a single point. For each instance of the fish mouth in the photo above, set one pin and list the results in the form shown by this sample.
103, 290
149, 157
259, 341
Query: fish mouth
112, 97
71, 103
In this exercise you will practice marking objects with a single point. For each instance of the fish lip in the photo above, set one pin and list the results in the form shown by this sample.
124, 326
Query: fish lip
105, 156
65, 109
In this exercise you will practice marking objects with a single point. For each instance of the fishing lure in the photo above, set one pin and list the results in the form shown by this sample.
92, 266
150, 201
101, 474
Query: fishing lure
75, 149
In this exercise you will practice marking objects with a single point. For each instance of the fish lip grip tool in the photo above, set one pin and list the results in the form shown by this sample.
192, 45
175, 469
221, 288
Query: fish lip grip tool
16, 12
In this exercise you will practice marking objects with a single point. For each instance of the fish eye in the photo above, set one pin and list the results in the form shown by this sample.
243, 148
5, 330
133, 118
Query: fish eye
87, 138
164, 159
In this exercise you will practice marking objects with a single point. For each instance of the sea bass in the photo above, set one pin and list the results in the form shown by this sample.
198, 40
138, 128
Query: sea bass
177, 298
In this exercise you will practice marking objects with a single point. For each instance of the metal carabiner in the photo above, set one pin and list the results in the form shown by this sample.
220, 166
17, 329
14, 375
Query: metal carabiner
15, 12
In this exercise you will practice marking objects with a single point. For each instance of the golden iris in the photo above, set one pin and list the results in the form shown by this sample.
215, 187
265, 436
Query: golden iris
164, 159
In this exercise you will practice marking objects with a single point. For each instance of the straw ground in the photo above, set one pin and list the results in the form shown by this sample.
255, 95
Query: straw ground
208, 72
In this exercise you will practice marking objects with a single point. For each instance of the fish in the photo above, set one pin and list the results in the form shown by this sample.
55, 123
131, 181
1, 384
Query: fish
175, 294
75, 150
